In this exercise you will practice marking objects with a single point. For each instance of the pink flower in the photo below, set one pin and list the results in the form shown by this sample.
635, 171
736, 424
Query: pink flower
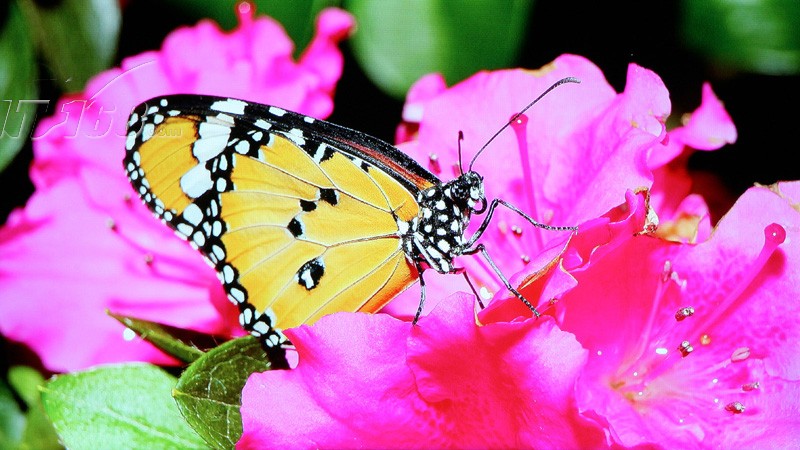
84, 243
696, 345
692, 342
570, 159
444, 383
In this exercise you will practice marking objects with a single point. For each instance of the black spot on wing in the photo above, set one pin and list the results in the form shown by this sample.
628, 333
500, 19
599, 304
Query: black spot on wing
318, 152
329, 195
310, 273
307, 206
295, 227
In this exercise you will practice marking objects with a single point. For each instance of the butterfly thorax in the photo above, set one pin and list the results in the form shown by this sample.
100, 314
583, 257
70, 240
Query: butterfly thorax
437, 233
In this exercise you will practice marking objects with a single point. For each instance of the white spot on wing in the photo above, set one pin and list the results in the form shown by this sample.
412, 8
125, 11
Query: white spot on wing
243, 147
308, 282
218, 252
147, 131
275, 111
131, 139
184, 229
227, 274
236, 295
402, 226
193, 214
246, 316
230, 105
296, 136
260, 327
196, 182
213, 139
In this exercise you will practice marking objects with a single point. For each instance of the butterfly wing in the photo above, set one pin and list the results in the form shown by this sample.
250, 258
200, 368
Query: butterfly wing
299, 217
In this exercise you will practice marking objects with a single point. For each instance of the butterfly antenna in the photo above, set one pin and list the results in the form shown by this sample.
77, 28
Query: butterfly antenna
460, 138
516, 116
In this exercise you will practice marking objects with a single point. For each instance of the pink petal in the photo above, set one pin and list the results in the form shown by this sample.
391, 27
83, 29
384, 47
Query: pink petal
426, 88
386, 384
84, 230
743, 288
771, 420
323, 58
64, 266
708, 128
583, 146
566, 259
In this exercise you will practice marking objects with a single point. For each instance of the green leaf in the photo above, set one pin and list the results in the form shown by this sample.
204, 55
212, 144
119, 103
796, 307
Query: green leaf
209, 392
397, 41
296, 17
37, 433
12, 420
26, 382
124, 406
18, 87
165, 337
758, 36
78, 38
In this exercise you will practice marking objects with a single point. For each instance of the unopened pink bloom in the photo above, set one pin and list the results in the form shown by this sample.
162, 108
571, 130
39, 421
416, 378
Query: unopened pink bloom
85, 243
444, 383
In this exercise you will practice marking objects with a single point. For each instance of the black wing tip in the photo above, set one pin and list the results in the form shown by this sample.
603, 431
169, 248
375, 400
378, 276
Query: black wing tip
184, 101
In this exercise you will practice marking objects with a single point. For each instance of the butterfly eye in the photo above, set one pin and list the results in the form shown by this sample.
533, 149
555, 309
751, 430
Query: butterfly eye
460, 192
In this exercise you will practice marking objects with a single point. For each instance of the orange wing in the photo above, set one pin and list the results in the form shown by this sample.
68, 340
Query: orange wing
300, 217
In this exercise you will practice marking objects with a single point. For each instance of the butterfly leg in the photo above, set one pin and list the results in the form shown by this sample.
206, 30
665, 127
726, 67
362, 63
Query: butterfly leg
480, 248
463, 271
421, 294
479, 232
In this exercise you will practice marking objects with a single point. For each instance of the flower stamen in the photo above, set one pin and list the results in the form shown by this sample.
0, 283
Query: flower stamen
685, 348
735, 407
686, 311
520, 127
433, 163
740, 354
774, 235
751, 386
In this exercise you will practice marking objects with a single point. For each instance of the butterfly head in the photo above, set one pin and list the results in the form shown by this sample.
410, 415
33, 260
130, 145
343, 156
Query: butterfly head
467, 192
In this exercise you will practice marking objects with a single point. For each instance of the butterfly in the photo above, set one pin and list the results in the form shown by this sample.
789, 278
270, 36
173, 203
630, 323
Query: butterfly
298, 216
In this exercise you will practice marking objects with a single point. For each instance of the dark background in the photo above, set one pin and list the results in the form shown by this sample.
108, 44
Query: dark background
611, 34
